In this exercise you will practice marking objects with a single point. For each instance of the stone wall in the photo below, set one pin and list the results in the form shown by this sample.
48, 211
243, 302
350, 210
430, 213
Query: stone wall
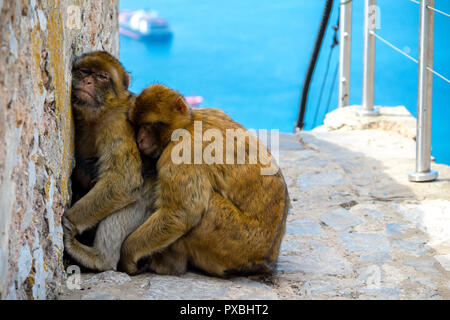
38, 41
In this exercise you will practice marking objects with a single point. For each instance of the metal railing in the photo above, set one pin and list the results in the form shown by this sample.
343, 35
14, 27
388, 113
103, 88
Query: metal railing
423, 170
370, 17
345, 35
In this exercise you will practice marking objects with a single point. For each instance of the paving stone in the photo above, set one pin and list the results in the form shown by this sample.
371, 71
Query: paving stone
306, 154
396, 228
304, 247
425, 281
313, 288
365, 242
322, 179
316, 162
189, 288
349, 204
291, 246
428, 294
110, 277
304, 228
197, 288
375, 257
288, 181
313, 263
318, 246
444, 261
370, 276
253, 296
98, 296
423, 265
328, 263
286, 142
338, 198
414, 246
430, 216
382, 293
377, 215
246, 289
394, 274
340, 219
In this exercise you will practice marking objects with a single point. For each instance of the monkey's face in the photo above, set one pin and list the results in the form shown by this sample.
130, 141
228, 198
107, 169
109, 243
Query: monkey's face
158, 104
97, 78
147, 140
90, 86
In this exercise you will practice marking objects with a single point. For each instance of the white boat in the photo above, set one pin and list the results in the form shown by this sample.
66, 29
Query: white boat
144, 25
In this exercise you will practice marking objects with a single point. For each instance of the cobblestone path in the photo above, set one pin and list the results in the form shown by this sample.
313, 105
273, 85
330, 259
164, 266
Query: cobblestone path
357, 229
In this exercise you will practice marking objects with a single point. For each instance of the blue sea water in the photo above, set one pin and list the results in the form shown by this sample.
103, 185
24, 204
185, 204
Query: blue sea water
249, 58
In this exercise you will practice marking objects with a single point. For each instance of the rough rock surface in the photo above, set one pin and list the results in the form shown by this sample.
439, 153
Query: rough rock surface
38, 40
395, 119
361, 231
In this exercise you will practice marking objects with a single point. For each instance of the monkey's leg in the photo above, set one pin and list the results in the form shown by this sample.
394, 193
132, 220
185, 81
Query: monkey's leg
172, 261
227, 241
111, 232
159, 231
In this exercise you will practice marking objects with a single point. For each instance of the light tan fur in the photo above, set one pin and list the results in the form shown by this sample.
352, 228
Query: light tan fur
220, 218
103, 131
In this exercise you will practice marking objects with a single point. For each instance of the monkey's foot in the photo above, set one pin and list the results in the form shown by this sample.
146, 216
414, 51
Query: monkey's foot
68, 227
69, 233
128, 266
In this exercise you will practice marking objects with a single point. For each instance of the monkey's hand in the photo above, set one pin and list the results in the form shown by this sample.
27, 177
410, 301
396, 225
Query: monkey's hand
129, 261
106, 197
128, 265
92, 183
70, 232
68, 227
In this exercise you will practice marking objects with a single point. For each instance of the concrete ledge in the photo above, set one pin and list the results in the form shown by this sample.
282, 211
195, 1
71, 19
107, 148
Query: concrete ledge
396, 119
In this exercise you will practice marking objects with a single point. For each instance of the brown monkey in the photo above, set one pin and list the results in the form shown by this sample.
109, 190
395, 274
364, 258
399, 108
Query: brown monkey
119, 200
220, 218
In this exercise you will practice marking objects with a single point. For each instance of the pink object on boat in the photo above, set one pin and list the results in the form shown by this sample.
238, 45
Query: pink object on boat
194, 100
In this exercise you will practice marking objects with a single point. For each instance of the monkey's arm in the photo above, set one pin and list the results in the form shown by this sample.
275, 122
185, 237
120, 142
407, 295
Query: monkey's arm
118, 185
101, 201
183, 199
162, 229
85, 173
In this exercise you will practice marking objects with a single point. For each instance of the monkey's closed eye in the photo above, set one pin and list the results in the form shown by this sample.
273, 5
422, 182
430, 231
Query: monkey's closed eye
102, 77
84, 71
148, 126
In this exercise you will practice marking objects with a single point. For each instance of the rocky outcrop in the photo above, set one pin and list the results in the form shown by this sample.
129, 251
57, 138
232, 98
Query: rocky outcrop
38, 41
396, 119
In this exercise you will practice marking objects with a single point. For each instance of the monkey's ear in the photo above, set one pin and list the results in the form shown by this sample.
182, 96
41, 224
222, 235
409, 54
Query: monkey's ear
181, 106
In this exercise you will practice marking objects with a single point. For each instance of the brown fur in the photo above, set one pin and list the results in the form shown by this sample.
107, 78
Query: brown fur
103, 132
220, 218
84, 177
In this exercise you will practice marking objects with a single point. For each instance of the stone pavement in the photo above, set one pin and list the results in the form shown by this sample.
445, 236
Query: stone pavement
357, 229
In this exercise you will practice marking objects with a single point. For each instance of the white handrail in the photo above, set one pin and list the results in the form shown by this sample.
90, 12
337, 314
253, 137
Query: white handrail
345, 35
423, 170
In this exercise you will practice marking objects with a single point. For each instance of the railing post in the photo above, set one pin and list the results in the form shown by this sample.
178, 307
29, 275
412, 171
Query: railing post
345, 35
424, 96
370, 16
